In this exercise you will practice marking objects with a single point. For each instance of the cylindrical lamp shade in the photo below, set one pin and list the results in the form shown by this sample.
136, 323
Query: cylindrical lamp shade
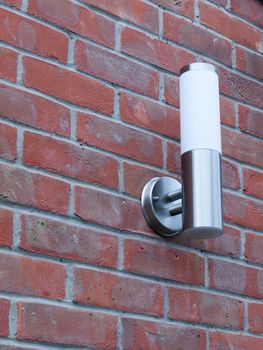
201, 151
199, 108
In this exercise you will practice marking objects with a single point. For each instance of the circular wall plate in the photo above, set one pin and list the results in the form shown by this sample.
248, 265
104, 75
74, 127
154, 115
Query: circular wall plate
156, 206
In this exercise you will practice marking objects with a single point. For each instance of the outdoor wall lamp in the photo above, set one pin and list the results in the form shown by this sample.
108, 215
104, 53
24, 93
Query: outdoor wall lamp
195, 207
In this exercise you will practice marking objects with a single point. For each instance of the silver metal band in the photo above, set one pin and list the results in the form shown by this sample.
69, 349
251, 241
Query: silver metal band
199, 66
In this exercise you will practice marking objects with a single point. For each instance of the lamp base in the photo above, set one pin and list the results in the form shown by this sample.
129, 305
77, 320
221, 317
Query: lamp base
161, 202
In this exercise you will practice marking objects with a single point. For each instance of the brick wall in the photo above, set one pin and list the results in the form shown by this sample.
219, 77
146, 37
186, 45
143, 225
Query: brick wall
89, 112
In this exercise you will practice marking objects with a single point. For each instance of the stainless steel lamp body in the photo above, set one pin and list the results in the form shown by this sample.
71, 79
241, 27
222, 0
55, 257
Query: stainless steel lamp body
202, 194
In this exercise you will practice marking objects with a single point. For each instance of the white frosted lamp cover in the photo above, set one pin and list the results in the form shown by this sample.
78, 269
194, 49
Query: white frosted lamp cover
199, 108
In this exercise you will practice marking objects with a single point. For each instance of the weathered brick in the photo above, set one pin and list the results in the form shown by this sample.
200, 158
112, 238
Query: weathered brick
148, 335
171, 90
165, 262
250, 121
230, 175
67, 85
6, 227
12, 3
104, 289
116, 69
136, 176
35, 190
227, 111
138, 12
235, 278
119, 139
242, 211
240, 88
31, 276
4, 317
8, 138
75, 18
203, 307
253, 248
38, 112
228, 341
68, 326
255, 318
70, 160
8, 64
154, 51
32, 36
118, 212
242, 147
173, 157
251, 10
150, 115
197, 38
253, 182
249, 63
56, 238
185, 8
227, 244
224, 23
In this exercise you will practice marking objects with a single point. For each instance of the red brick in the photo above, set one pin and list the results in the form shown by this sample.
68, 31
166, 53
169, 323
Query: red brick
70, 160
8, 64
185, 8
75, 18
197, 38
149, 335
104, 289
240, 88
255, 318
202, 307
77, 89
251, 10
56, 238
150, 115
242, 147
171, 90
6, 227
227, 341
174, 157
122, 213
227, 111
227, 25
230, 175
235, 278
34, 190
68, 326
162, 261
116, 69
24, 107
138, 12
253, 182
250, 121
12, 3
31, 276
136, 176
119, 139
253, 247
242, 211
8, 136
154, 51
249, 63
227, 244
4, 317
30, 35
